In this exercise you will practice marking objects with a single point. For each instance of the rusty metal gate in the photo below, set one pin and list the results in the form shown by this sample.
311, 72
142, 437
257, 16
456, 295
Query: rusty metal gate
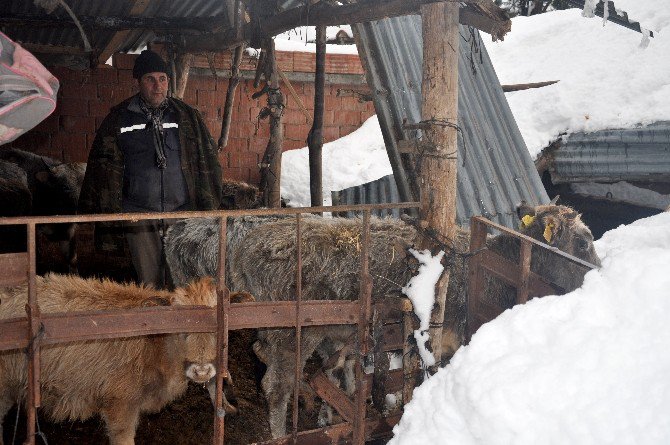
392, 319
484, 261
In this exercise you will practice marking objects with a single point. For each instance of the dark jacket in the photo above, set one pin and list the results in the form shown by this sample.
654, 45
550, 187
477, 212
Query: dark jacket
103, 184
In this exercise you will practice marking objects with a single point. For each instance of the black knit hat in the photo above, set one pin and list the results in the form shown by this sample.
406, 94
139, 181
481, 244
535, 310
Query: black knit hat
148, 62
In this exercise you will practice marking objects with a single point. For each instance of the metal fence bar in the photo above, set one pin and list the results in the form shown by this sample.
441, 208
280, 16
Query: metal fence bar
222, 309
365, 301
33, 349
298, 327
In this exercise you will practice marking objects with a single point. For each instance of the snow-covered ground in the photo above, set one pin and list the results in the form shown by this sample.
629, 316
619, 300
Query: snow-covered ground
606, 79
352, 160
589, 367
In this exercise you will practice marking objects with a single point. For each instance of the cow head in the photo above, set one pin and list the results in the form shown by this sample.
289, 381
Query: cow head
560, 227
200, 348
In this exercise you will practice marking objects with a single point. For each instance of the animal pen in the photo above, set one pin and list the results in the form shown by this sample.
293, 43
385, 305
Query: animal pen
382, 326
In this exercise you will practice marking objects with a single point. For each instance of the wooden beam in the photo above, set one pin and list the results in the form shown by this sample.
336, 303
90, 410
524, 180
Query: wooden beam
439, 111
481, 14
137, 8
527, 86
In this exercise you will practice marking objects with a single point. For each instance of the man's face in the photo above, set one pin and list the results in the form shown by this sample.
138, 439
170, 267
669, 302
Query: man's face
153, 88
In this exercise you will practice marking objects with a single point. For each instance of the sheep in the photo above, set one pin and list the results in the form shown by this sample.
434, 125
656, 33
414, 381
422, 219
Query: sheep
262, 262
119, 378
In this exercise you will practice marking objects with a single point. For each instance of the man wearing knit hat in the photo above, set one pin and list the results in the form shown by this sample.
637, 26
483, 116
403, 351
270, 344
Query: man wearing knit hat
152, 153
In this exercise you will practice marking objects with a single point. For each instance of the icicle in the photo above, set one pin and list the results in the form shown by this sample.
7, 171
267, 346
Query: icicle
645, 37
606, 11
589, 7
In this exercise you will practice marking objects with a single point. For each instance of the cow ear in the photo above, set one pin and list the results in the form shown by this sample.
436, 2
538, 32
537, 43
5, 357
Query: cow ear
156, 300
241, 297
552, 228
524, 209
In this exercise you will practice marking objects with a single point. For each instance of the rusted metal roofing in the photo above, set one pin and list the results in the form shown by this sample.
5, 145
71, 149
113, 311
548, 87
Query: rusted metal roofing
495, 171
630, 154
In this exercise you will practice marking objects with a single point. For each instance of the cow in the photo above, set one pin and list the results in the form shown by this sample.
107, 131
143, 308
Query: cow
262, 256
54, 190
119, 379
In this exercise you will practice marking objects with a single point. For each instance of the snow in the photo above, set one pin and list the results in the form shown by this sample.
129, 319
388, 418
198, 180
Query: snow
352, 160
589, 367
301, 40
421, 292
606, 79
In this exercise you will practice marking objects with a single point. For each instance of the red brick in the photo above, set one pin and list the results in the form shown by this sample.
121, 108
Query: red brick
70, 142
329, 117
78, 124
214, 127
365, 115
292, 145
347, 129
114, 93
296, 132
190, 95
33, 140
201, 82
258, 144
49, 125
253, 113
79, 90
104, 74
73, 107
126, 77
66, 74
304, 62
285, 60
99, 108
332, 103
123, 61
246, 159
348, 118
237, 173
352, 104
330, 133
344, 63
78, 154
237, 144
294, 116
254, 176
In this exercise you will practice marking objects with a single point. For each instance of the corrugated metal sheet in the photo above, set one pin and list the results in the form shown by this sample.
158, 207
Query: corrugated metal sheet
381, 191
496, 171
631, 154
70, 37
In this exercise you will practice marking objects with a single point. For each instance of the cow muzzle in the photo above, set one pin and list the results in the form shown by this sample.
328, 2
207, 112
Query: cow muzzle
200, 373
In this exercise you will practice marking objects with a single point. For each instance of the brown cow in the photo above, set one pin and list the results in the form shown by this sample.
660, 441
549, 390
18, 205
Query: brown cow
120, 378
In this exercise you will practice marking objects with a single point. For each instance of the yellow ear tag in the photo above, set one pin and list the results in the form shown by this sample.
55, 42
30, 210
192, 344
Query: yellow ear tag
548, 232
527, 220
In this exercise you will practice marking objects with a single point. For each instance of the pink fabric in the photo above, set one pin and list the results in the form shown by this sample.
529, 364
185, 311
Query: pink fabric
27, 65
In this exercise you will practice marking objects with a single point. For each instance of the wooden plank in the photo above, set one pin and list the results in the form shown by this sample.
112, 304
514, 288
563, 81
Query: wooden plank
80, 326
524, 272
137, 8
334, 396
13, 269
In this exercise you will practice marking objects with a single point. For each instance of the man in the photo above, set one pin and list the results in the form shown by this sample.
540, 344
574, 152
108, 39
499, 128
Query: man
151, 154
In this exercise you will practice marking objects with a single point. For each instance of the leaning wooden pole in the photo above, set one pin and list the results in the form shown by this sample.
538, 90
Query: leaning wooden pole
315, 137
230, 96
439, 114
271, 162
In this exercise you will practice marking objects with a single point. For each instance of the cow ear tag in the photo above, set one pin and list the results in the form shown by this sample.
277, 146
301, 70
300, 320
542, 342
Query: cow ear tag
527, 220
548, 232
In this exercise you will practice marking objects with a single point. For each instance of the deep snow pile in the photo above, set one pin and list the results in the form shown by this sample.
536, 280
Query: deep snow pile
606, 79
589, 367
349, 161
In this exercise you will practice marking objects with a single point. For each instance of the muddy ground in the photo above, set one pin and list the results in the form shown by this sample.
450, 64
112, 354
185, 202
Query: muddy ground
186, 421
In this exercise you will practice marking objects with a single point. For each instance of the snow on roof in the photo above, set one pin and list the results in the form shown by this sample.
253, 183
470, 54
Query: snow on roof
606, 79
589, 367
302, 39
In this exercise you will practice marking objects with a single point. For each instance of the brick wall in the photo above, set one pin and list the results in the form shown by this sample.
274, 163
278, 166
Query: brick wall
85, 98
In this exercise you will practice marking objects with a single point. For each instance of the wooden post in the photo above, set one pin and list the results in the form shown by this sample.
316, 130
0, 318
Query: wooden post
183, 63
230, 96
271, 162
439, 163
315, 137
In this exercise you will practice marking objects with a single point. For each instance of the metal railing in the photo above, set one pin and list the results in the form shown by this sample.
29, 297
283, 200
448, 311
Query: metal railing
37, 329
